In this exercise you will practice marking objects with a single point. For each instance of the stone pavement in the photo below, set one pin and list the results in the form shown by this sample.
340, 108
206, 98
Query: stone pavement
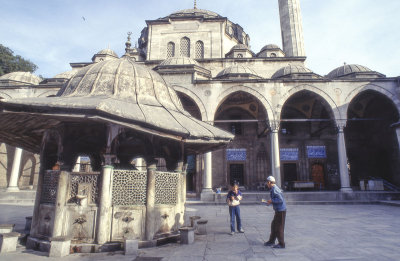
313, 232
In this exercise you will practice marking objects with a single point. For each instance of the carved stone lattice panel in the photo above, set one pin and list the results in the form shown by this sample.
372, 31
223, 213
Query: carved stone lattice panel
129, 187
166, 188
85, 185
49, 187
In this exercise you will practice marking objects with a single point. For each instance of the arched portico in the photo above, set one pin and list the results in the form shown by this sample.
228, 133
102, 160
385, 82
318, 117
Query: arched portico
372, 142
308, 140
318, 91
197, 101
240, 88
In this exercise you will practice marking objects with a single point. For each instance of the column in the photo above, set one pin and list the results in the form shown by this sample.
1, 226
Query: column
181, 192
397, 126
150, 199
61, 199
77, 167
13, 184
344, 173
105, 206
207, 194
139, 163
275, 158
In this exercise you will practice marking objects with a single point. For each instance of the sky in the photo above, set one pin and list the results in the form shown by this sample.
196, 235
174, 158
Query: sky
54, 33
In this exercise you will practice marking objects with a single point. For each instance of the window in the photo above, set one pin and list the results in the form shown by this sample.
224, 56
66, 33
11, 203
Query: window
185, 47
170, 49
273, 55
239, 55
199, 50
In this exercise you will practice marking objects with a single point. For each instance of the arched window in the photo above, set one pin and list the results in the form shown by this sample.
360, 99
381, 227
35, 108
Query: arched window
239, 55
170, 49
273, 55
199, 50
185, 47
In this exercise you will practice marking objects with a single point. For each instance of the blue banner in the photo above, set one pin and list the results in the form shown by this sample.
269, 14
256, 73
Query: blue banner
316, 152
236, 154
289, 154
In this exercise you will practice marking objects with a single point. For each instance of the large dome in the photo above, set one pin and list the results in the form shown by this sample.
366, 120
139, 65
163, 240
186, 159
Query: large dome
21, 78
195, 12
352, 70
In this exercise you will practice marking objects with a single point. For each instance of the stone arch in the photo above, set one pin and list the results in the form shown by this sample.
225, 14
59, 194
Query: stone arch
195, 98
240, 88
333, 106
371, 87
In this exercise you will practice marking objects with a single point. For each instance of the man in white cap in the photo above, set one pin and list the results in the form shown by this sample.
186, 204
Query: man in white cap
278, 223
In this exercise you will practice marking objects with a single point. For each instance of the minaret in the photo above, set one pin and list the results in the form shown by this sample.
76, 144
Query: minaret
291, 27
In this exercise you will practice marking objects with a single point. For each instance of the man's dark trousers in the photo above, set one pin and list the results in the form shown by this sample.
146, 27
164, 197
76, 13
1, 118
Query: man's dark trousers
278, 228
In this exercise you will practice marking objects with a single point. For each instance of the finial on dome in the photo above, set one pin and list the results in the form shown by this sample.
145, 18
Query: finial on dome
195, 5
128, 43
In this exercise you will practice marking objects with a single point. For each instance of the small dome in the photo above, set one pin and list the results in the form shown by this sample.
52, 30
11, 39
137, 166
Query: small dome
194, 12
237, 71
240, 47
291, 69
108, 52
179, 61
351, 69
270, 47
66, 75
22, 77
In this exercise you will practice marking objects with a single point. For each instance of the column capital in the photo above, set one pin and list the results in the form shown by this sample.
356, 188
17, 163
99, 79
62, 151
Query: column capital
274, 125
341, 124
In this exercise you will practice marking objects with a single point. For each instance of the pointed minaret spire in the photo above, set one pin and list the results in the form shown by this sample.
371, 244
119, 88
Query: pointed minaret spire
195, 4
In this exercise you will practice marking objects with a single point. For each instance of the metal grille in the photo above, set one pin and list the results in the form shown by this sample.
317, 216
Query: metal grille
199, 50
129, 187
85, 184
170, 49
49, 188
185, 47
166, 188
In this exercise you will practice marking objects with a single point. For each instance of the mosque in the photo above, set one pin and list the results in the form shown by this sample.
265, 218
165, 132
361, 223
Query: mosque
311, 131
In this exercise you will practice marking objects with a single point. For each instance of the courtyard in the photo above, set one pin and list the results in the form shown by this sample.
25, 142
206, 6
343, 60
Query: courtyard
313, 232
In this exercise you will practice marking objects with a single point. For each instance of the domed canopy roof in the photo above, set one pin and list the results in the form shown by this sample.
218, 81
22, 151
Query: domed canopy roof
122, 92
66, 75
108, 51
21, 77
236, 71
195, 12
292, 70
270, 47
240, 47
352, 70
178, 61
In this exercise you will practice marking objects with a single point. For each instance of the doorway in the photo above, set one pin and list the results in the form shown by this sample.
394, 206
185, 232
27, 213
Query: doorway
236, 174
317, 175
289, 174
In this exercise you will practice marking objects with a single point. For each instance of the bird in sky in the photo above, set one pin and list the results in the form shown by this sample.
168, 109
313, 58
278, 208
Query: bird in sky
84, 19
